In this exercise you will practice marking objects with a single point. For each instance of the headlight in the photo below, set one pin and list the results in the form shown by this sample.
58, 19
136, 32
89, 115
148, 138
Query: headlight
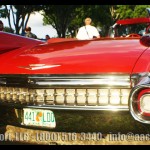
145, 104
140, 103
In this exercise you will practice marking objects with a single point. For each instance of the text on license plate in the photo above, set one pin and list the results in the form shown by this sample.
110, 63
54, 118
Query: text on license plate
39, 117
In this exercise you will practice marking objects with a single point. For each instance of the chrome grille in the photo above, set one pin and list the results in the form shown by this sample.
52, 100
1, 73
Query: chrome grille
90, 92
65, 96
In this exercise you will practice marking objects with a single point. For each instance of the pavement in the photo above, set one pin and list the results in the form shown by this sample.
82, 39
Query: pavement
11, 135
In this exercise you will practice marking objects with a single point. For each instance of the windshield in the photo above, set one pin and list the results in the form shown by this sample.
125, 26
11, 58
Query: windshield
125, 30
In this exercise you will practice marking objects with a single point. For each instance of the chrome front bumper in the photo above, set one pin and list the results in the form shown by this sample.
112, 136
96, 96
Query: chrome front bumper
76, 101
74, 92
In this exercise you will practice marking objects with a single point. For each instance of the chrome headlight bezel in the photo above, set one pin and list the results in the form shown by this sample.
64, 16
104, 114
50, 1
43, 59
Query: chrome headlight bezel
141, 82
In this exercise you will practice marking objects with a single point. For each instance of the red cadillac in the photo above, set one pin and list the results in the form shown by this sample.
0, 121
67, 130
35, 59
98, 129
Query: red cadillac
77, 85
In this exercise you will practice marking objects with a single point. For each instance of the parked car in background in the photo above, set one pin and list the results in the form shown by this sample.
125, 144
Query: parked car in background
99, 85
134, 27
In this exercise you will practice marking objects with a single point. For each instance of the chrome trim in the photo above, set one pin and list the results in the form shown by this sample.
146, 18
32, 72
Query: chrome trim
96, 82
64, 107
27, 96
84, 80
142, 82
38, 66
80, 81
58, 107
138, 79
121, 80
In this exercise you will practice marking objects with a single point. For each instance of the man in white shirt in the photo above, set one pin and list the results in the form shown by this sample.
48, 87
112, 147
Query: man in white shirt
87, 32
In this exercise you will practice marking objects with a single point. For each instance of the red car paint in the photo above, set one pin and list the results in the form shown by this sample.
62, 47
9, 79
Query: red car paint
70, 56
133, 21
104, 55
10, 42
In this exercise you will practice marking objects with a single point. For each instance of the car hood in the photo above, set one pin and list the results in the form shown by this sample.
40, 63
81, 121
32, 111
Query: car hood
74, 57
10, 42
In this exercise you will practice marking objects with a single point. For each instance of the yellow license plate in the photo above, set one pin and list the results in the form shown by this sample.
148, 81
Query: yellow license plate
39, 117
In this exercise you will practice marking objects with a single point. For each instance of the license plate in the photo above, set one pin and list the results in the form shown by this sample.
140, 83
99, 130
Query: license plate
39, 117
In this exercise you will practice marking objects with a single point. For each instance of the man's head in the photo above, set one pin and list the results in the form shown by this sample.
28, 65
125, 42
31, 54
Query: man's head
47, 37
88, 21
28, 29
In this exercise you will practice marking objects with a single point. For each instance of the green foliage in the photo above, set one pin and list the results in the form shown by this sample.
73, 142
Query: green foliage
3, 12
140, 11
67, 19
125, 11
59, 16
20, 15
131, 11
75, 15
8, 29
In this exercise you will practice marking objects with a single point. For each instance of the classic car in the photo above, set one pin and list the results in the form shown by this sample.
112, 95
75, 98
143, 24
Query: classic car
99, 85
134, 27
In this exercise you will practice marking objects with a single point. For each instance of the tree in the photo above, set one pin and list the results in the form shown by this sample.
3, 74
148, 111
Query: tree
20, 15
100, 14
67, 19
131, 11
59, 16
125, 11
140, 11
77, 21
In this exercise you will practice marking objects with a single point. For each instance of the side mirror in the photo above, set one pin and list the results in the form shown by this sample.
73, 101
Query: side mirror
145, 40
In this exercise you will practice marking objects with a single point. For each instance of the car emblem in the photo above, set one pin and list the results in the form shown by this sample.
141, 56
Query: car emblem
38, 66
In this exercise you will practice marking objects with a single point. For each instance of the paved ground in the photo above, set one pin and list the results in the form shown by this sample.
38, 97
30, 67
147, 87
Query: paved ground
20, 136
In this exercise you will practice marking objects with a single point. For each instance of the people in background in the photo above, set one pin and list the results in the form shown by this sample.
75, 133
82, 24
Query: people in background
47, 37
29, 33
1, 26
88, 31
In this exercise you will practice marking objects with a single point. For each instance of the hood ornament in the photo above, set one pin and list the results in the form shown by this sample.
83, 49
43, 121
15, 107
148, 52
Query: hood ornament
38, 66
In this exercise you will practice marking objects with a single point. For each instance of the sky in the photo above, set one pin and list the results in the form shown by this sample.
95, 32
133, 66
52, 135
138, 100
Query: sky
36, 23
